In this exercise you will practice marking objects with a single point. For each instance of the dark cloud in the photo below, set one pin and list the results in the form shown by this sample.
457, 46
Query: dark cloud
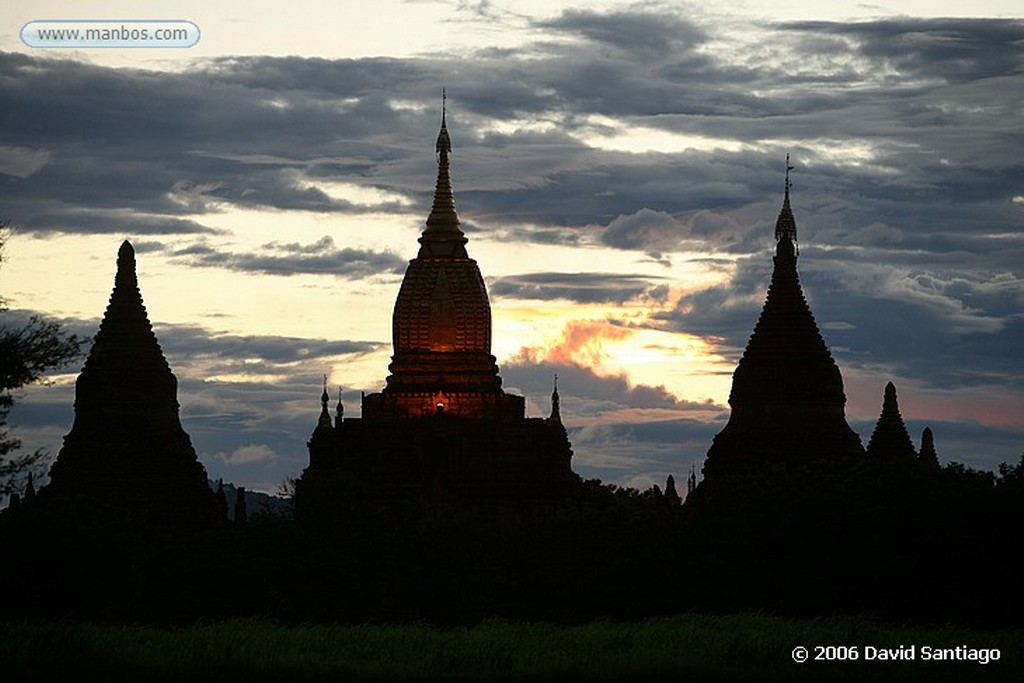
191, 343
950, 49
648, 35
259, 131
321, 257
578, 287
591, 393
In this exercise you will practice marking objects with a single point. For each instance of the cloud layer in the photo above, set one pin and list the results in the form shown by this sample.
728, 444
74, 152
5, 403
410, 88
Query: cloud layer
652, 134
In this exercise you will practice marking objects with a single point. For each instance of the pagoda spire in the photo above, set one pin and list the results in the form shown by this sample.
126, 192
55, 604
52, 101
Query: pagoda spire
556, 409
443, 237
928, 456
785, 225
890, 437
325, 416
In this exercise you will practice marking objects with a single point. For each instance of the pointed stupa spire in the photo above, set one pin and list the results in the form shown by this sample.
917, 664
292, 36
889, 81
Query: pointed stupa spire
671, 494
443, 237
928, 455
125, 349
556, 409
785, 225
890, 437
339, 414
325, 416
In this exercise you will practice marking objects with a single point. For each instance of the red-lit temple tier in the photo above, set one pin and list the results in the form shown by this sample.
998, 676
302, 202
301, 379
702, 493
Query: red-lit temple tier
442, 429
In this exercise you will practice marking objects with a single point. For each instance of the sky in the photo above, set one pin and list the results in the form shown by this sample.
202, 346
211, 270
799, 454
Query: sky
618, 168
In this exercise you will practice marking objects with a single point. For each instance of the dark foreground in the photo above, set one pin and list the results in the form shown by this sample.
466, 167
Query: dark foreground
885, 539
686, 647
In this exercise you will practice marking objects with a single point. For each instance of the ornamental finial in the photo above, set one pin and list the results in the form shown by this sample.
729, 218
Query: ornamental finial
444, 142
325, 417
785, 225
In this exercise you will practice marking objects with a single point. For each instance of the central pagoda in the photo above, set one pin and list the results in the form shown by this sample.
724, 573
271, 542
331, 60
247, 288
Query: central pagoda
787, 394
442, 429
441, 327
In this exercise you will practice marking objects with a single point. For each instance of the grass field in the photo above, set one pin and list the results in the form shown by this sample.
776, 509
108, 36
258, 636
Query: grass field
686, 648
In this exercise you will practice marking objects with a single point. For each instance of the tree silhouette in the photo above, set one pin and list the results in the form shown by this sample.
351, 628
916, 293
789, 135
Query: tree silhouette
27, 351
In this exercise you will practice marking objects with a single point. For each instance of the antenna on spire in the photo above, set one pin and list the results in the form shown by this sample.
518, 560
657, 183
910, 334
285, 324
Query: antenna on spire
789, 183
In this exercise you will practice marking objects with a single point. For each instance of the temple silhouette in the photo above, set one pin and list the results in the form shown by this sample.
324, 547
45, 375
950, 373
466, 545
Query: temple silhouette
787, 397
442, 429
127, 447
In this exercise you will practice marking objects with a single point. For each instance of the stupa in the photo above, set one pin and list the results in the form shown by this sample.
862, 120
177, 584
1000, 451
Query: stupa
787, 396
442, 428
127, 447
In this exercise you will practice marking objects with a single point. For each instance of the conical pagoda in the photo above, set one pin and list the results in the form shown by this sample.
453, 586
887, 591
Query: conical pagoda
442, 429
127, 447
890, 438
787, 396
